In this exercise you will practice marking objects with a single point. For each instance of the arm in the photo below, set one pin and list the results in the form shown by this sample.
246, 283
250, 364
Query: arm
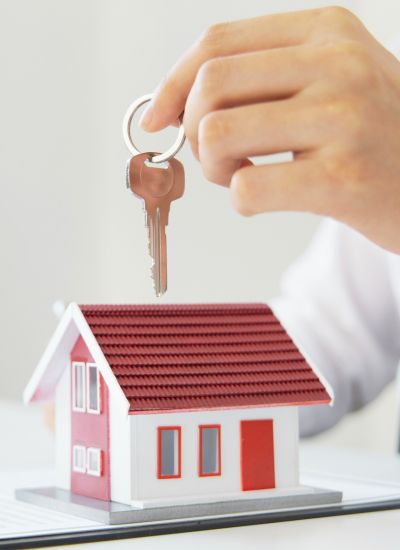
339, 303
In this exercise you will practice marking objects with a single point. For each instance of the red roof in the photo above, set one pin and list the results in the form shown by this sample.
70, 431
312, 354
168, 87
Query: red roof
182, 357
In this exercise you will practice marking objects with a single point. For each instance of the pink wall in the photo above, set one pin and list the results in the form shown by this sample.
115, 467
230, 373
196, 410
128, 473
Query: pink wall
91, 430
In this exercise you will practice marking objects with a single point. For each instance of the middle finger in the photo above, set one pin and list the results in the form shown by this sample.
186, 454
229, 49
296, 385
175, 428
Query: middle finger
250, 78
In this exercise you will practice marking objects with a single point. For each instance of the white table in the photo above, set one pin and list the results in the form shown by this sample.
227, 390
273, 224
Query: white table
26, 443
379, 530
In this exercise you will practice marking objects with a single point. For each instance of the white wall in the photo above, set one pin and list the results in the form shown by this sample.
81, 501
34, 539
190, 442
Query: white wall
120, 451
146, 485
63, 430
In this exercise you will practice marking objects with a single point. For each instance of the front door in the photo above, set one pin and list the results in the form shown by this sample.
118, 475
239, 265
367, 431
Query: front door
257, 454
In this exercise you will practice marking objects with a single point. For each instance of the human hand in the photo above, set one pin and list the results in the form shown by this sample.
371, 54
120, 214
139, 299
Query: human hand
313, 82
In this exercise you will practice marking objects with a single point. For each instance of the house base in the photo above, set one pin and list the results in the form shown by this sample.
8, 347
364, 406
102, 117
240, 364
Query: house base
220, 498
113, 513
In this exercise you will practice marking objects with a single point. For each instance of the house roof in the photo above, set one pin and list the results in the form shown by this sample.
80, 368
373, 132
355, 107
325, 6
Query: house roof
185, 357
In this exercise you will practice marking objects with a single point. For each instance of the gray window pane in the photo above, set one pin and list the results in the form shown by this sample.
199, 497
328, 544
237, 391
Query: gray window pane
79, 379
209, 455
169, 451
93, 389
94, 460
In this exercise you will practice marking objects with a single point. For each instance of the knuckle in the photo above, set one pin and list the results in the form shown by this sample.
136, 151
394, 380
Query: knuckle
356, 61
210, 77
334, 21
346, 49
337, 15
350, 116
344, 171
355, 121
333, 168
242, 192
211, 39
213, 128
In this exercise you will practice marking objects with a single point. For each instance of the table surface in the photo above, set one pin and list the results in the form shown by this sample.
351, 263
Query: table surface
19, 427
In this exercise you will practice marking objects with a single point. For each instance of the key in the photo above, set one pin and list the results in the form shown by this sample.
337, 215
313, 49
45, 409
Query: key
157, 185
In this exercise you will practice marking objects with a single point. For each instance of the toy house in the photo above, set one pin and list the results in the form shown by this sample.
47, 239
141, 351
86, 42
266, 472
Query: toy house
175, 404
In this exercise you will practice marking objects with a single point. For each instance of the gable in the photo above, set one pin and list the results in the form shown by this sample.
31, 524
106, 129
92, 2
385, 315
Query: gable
56, 358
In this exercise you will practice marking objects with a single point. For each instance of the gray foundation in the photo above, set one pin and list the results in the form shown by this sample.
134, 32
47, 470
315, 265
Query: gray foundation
113, 513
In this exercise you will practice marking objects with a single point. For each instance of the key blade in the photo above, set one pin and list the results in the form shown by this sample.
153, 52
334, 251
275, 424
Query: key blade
150, 235
159, 255
157, 187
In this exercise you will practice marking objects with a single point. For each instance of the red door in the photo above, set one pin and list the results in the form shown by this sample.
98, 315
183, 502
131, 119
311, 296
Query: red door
257, 454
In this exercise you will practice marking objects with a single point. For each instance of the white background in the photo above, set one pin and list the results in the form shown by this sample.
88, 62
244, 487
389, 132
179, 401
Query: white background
69, 229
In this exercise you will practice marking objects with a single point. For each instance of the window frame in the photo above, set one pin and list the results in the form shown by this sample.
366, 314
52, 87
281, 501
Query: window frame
88, 409
99, 452
200, 457
76, 468
178, 474
76, 364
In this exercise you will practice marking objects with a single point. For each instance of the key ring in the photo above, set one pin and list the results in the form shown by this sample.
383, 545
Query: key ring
126, 130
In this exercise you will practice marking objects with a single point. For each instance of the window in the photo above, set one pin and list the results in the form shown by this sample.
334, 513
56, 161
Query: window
79, 459
93, 389
78, 386
94, 461
86, 387
210, 450
169, 452
87, 461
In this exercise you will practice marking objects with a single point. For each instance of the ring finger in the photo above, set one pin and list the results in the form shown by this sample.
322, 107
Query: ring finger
228, 136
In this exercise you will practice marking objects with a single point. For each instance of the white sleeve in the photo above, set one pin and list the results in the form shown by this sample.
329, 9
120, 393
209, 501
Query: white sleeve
339, 304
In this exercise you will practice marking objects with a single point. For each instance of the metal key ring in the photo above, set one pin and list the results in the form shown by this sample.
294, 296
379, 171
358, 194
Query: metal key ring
126, 130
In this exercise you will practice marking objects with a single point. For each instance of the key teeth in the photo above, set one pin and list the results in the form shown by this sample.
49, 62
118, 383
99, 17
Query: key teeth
150, 248
160, 292
152, 270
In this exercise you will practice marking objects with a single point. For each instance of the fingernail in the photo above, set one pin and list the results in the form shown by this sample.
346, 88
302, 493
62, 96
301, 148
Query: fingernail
146, 118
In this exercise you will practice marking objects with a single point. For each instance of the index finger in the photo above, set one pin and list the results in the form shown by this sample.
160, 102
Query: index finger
259, 33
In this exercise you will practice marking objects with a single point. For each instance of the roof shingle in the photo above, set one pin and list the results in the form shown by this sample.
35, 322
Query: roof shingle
202, 356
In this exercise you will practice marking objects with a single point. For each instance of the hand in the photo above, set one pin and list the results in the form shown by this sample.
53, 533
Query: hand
313, 82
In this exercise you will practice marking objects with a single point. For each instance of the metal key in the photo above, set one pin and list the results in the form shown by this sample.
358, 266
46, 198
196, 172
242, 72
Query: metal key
158, 179
158, 185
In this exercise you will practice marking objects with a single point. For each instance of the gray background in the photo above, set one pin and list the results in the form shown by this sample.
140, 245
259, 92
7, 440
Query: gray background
69, 230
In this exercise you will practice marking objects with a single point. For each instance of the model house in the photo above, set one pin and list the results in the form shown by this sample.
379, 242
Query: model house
175, 403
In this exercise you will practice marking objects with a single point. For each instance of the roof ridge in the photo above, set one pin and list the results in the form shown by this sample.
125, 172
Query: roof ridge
177, 307
167, 311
